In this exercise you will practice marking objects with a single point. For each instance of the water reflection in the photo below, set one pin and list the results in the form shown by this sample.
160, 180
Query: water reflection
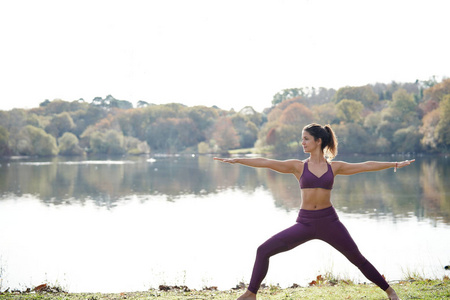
130, 224
421, 189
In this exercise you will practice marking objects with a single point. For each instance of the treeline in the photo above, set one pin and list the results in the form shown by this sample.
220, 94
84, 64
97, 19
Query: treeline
380, 118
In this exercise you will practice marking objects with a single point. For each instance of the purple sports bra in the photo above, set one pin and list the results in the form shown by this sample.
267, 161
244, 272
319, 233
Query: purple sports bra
310, 181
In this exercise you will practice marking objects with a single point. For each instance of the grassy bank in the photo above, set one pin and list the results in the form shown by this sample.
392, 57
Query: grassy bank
419, 289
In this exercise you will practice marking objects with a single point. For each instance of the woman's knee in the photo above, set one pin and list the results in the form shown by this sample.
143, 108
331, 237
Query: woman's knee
270, 248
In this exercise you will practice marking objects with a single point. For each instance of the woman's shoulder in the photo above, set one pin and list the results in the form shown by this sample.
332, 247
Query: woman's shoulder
337, 165
295, 161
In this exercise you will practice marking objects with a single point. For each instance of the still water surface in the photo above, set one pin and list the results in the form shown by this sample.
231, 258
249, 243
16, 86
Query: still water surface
133, 224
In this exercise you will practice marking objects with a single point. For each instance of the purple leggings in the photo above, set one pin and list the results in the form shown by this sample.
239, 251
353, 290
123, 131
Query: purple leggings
320, 224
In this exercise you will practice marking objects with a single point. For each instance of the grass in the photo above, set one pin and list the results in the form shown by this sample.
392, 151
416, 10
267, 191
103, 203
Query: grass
322, 289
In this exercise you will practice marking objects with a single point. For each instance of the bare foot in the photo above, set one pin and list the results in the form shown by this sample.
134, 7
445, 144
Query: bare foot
247, 296
392, 294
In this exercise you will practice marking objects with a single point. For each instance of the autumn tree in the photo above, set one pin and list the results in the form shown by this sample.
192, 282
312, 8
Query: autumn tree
428, 130
438, 91
443, 127
225, 135
292, 120
297, 115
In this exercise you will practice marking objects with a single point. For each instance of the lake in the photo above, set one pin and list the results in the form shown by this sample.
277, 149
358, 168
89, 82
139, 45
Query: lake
130, 224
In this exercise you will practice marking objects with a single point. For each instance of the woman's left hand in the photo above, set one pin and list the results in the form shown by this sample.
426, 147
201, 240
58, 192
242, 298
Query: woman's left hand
226, 160
404, 163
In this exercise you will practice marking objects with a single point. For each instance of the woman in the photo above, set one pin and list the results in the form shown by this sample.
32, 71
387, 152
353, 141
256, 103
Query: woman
317, 218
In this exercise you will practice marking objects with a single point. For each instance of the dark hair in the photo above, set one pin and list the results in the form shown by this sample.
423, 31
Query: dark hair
326, 134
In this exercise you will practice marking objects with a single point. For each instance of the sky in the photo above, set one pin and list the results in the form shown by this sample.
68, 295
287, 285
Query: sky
205, 52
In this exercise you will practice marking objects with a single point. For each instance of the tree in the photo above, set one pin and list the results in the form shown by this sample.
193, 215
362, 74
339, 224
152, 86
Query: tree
114, 142
4, 138
353, 138
403, 107
407, 140
428, 130
372, 121
142, 103
68, 145
203, 117
325, 113
287, 94
56, 106
97, 143
86, 117
172, 134
60, 124
249, 136
110, 142
297, 115
349, 111
438, 91
35, 141
225, 135
443, 127
363, 94
135, 146
111, 102
246, 129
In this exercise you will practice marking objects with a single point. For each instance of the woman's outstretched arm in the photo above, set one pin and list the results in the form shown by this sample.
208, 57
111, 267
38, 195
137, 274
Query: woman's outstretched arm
344, 168
282, 166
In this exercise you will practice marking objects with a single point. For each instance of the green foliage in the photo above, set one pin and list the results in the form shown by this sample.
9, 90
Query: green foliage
110, 142
363, 94
60, 124
110, 102
403, 107
349, 111
309, 96
353, 138
325, 113
407, 139
135, 146
35, 141
4, 137
380, 118
68, 145
246, 130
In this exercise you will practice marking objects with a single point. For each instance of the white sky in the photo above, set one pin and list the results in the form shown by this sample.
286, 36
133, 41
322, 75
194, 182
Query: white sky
205, 52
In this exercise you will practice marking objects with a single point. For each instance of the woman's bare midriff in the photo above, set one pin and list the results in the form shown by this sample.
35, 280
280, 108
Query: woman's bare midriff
314, 199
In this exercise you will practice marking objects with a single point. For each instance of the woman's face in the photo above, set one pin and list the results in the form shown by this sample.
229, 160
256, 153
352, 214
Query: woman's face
308, 142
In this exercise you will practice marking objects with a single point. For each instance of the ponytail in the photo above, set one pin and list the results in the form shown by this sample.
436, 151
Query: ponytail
326, 134
331, 148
